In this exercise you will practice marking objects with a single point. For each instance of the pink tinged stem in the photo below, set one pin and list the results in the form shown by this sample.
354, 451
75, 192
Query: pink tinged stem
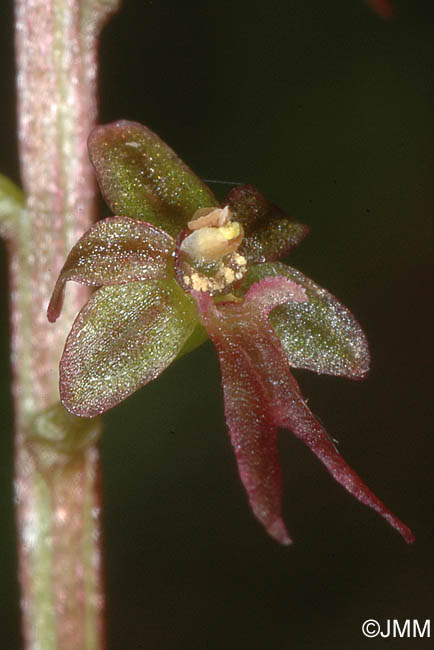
58, 527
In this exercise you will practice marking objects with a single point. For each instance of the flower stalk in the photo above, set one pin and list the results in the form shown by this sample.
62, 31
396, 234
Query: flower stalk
56, 457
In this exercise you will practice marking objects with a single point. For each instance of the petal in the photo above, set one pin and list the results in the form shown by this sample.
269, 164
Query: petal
273, 240
248, 206
269, 233
250, 337
251, 429
320, 335
115, 250
269, 293
254, 439
123, 338
141, 177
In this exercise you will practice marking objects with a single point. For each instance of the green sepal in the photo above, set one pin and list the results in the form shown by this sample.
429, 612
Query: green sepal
124, 337
141, 177
320, 335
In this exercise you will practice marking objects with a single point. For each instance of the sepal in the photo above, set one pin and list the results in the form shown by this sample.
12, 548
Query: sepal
141, 177
124, 337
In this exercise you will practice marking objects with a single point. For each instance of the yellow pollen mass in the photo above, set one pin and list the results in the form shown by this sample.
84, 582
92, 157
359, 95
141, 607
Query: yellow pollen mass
231, 230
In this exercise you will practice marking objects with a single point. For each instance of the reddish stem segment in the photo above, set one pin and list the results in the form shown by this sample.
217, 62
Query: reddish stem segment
57, 510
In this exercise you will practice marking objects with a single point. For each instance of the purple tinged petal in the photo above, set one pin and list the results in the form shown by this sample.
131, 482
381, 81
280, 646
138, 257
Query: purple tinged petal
114, 251
320, 334
251, 429
269, 233
272, 292
247, 205
273, 240
254, 438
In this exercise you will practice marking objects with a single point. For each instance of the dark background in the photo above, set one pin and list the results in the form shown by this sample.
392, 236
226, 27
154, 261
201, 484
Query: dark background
328, 110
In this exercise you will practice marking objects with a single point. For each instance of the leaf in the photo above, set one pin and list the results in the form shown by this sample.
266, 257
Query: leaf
123, 338
320, 335
115, 250
141, 177
269, 233
268, 396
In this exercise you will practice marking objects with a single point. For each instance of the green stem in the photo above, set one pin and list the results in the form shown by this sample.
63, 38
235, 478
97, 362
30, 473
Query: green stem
56, 457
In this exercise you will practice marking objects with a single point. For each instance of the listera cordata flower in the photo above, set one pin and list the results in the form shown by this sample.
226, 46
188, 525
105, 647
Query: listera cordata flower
174, 268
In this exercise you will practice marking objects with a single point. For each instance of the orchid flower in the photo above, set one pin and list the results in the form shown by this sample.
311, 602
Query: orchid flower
175, 267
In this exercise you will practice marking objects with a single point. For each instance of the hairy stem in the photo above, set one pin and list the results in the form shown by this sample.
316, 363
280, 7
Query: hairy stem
56, 457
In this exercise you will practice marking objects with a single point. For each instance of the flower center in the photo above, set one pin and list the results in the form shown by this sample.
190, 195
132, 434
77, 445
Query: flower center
207, 258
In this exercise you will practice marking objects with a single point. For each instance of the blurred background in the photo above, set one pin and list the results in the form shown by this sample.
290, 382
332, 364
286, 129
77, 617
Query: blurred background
328, 110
